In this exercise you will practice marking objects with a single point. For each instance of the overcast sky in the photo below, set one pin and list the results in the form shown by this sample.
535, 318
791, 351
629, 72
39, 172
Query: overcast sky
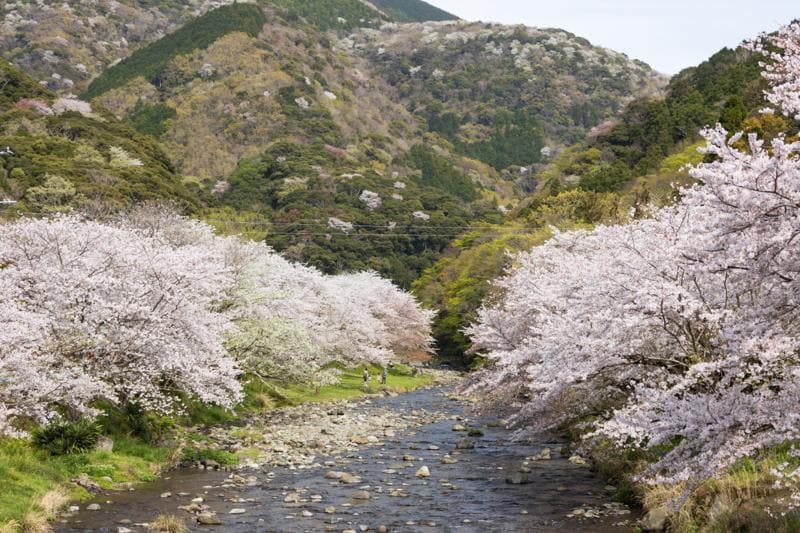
668, 34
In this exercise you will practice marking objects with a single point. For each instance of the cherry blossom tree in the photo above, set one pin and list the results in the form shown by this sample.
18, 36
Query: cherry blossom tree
96, 311
680, 328
152, 305
315, 320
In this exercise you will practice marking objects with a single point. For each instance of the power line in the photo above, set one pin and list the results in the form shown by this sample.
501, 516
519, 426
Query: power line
374, 226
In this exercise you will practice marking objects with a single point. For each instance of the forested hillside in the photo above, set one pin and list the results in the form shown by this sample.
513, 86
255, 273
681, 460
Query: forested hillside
508, 96
299, 130
67, 44
67, 154
624, 164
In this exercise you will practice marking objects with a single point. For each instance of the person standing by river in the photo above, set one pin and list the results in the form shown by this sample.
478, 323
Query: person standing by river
383, 376
366, 378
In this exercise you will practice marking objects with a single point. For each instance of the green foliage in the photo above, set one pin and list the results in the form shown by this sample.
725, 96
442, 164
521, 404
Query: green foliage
497, 104
726, 89
63, 437
606, 177
733, 113
351, 386
55, 195
457, 285
16, 85
28, 473
151, 61
150, 119
286, 185
438, 172
131, 420
315, 122
516, 139
412, 10
69, 161
205, 454
326, 14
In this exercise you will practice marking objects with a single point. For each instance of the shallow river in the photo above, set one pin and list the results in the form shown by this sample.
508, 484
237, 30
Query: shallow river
472, 494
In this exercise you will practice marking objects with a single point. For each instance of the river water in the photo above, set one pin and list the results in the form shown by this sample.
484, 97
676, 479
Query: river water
472, 494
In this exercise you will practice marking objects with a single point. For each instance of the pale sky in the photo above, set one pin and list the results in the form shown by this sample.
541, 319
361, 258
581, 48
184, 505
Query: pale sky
669, 35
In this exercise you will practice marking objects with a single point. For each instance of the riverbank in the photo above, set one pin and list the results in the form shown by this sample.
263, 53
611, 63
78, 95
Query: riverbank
417, 462
754, 495
37, 486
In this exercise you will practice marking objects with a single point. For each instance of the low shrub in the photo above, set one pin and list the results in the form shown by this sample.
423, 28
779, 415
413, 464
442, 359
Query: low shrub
63, 437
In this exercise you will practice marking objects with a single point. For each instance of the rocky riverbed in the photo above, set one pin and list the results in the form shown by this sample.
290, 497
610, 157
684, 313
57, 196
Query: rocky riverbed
415, 462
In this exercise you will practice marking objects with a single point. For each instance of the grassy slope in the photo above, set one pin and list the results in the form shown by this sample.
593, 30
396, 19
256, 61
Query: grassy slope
29, 475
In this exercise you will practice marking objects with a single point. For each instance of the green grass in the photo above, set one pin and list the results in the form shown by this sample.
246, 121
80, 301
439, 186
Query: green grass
351, 384
200, 454
28, 474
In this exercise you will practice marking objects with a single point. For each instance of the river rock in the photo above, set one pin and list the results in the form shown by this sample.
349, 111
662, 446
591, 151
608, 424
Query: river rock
73, 509
237, 511
122, 529
208, 519
361, 495
210, 464
292, 498
193, 508
349, 479
333, 474
577, 460
307, 514
330, 509
465, 444
382, 529
84, 481
449, 460
197, 500
519, 479
543, 455
655, 520
459, 427
408, 458
93, 507
423, 472
104, 444
166, 494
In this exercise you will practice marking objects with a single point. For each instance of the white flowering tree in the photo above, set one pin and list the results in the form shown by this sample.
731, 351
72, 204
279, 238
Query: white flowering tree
681, 329
154, 305
295, 322
94, 311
